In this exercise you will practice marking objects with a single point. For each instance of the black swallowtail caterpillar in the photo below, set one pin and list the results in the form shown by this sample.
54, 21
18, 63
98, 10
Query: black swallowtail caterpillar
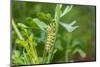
51, 35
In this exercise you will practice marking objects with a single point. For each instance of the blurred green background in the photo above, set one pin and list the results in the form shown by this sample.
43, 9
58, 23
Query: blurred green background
84, 36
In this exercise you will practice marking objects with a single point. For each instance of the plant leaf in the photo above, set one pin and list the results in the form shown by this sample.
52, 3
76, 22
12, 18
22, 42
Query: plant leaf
25, 32
80, 51
66, 10
17, 58
22, 43
44, 16
35, 23
69, 27
40, 24
58, 45
22, 25
30, 23
75, 43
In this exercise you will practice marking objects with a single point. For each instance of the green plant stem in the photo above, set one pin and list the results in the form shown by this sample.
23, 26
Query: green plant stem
67, 53
34, 54
16, 30
49, 58
57, 19
66, 56
25, 57
44, 57
29, 48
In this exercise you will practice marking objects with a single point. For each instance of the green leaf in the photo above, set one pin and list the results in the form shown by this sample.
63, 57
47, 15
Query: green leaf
24, 29
21, 25
69, 27
25, 32
21, 43
33, 49
40, 24
60, 6
35, 23
69, 50
40, 59
30, 23
75, 43
66, 10
44, 16
58, 45
16, 53
79, 51
30, 38
17, 58
55, 50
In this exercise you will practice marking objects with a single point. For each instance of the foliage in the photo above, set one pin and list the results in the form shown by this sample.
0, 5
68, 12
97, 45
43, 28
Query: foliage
51, 33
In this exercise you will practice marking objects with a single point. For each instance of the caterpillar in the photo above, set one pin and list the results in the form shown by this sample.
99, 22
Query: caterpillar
51, 35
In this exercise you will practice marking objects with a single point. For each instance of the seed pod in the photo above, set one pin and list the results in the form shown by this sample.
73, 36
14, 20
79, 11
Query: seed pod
51, 30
